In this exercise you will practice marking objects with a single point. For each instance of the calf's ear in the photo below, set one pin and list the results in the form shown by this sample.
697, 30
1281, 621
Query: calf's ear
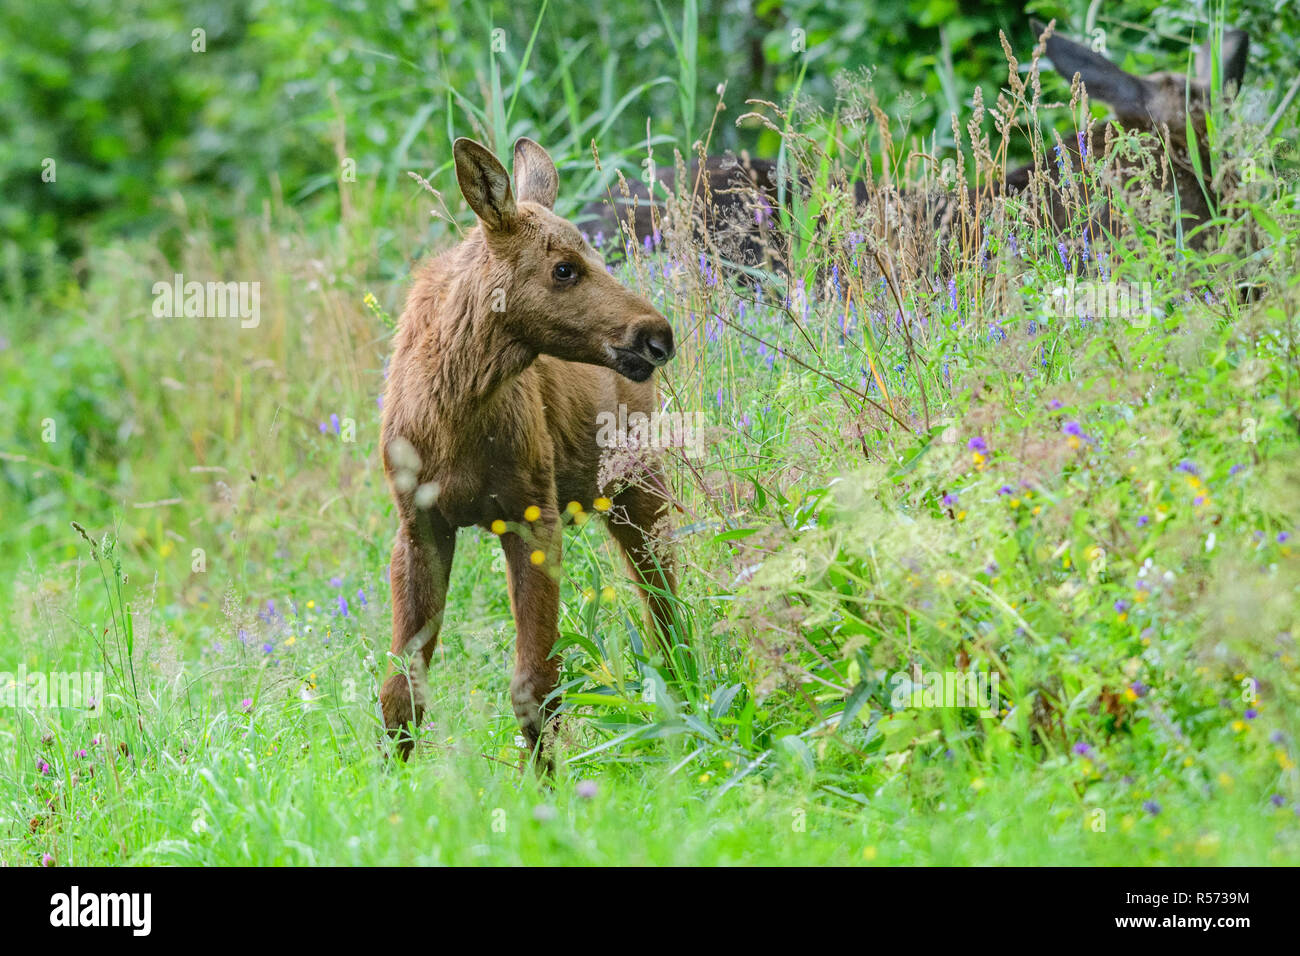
485, 184
535, 174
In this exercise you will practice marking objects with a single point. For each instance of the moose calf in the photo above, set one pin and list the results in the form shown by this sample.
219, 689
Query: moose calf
509, 347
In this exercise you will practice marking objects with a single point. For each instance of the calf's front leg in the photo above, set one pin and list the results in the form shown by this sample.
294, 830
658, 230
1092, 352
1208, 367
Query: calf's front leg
533, 566
419, 573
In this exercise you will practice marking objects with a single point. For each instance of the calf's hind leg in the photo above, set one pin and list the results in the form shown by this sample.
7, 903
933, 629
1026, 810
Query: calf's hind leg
637, 509
419, 573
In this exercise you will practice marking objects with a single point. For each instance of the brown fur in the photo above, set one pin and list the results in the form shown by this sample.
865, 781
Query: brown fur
488, 412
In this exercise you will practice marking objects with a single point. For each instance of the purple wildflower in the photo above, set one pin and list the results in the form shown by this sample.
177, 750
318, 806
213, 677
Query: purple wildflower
978, 444
1152, 808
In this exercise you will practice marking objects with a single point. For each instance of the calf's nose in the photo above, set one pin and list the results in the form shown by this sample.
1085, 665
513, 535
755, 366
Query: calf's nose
655, 343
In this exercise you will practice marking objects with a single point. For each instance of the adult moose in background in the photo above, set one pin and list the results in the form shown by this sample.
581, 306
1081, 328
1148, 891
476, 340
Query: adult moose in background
1160, 104
510, 346
740, 194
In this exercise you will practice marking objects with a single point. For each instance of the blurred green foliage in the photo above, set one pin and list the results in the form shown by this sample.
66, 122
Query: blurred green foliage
232, 101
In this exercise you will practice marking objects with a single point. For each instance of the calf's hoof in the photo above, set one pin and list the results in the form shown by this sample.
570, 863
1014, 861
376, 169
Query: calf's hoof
401, 712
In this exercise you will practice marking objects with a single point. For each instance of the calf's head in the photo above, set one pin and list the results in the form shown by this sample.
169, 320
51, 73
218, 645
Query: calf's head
555, 295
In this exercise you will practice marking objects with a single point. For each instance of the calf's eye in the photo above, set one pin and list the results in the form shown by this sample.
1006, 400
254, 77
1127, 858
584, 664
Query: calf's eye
564, 272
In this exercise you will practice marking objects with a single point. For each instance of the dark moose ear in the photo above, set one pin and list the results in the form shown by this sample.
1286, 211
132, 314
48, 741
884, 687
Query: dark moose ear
485, 184
1234, 50
1103, 79
535, 174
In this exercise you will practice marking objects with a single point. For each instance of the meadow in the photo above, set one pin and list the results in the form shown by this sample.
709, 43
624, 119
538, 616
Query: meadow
927, 455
